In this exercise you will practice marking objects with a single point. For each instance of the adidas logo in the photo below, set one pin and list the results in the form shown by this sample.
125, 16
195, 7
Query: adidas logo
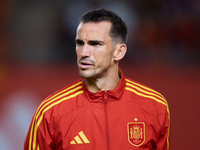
80, 139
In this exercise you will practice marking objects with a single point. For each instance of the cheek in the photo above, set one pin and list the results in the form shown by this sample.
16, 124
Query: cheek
103, 58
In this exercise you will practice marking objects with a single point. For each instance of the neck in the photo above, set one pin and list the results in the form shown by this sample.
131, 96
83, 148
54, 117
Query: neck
102, 83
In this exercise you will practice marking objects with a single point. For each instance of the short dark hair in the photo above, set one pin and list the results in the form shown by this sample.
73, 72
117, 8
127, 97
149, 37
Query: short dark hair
118, 30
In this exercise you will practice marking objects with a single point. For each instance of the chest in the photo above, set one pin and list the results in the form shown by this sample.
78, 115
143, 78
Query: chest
111, 125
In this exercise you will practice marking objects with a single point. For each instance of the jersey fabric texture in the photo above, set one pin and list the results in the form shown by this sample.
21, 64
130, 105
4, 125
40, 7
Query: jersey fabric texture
130, 117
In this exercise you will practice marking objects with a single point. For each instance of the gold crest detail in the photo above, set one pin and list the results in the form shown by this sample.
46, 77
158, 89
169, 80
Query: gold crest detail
136, 133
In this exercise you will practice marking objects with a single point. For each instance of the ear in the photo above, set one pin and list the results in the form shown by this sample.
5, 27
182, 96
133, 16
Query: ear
120, 51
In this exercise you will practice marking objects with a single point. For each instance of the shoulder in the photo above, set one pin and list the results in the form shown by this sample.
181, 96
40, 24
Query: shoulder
57, 101
69, 91
144, 92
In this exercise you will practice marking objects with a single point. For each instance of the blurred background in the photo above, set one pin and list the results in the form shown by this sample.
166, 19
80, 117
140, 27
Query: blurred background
37, 57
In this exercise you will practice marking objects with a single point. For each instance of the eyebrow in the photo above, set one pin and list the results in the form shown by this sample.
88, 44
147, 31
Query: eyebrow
95, 42
90, 41
78, 40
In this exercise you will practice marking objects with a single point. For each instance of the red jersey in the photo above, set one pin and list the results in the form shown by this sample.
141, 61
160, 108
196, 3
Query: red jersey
130, 117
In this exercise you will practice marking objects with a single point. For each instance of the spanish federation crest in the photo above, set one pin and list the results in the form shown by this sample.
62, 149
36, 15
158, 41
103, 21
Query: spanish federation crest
136, 133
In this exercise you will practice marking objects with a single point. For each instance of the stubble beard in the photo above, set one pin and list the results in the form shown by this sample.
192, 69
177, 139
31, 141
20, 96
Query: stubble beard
85, 73
92, 73
88, 73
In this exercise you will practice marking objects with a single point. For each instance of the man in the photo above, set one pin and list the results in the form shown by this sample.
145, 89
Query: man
104, 109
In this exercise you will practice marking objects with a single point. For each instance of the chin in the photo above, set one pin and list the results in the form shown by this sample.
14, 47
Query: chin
87, 74
84, 74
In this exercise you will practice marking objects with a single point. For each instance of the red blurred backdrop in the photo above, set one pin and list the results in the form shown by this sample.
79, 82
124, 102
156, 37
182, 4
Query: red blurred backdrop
37, 57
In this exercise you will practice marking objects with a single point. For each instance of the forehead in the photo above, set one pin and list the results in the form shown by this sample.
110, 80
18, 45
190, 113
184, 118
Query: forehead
94, 30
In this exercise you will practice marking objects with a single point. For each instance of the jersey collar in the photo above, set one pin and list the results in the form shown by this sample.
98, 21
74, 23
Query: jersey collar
111, 94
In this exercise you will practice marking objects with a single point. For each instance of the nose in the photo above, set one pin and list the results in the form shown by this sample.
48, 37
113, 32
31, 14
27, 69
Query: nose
85, 51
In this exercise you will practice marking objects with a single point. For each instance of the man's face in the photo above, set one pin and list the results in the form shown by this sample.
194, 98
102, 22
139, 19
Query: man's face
94, 49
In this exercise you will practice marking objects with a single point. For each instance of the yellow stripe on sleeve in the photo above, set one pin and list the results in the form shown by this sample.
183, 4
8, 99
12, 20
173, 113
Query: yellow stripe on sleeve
46, 101
144, 87
146, 92
36, 122
50, 101
147, 96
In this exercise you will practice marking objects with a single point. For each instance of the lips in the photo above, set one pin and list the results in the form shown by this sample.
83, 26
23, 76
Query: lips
85, 64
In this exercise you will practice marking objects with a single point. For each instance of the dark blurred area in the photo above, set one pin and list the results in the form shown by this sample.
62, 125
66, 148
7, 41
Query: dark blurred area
37, 57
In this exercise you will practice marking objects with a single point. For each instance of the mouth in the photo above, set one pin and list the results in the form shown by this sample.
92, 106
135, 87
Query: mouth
85, 64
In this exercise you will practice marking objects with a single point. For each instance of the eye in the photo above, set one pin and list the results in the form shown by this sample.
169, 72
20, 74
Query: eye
94, 43
79, 43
